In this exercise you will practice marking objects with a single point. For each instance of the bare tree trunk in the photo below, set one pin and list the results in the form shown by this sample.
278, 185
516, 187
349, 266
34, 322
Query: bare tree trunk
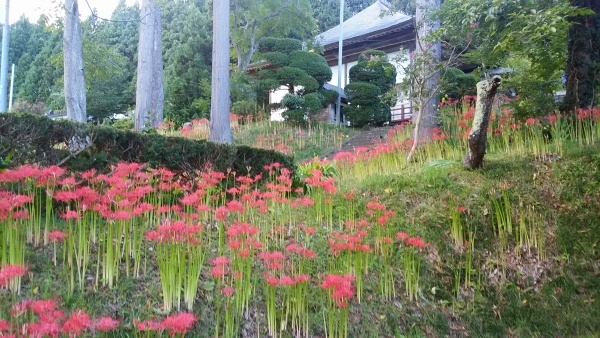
149, 98
75, 98
430, 72
158, 90
4, 63
220, 128
486, 91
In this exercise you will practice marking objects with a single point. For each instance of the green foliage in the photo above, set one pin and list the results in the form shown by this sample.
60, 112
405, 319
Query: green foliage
256, 20
536, 94
370, 79
534, 31
281, 45
187, 46
303, 73
313, 65
38, 139
456, 84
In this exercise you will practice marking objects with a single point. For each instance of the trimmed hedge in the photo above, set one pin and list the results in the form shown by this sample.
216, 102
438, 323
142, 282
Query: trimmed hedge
31, 138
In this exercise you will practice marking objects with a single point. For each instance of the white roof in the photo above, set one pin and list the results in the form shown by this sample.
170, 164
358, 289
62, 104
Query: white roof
367, 21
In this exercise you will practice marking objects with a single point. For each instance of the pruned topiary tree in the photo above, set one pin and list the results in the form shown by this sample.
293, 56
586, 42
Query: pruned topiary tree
371, 79
302, 73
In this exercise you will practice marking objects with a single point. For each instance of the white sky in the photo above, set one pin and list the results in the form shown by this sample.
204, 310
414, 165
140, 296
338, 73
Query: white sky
34, 8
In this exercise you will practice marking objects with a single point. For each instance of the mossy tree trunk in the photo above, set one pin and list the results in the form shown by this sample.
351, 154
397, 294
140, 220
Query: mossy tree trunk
486, 91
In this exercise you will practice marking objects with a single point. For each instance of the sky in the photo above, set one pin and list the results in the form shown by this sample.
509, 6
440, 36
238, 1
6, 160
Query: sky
34, 8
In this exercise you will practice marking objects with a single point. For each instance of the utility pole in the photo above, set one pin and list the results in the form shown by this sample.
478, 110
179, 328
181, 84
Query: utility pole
4, 62
338, 108
12, 82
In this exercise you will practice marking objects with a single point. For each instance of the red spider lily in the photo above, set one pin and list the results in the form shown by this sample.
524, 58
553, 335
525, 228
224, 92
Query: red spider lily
42, 329
42, 307
10, 272
148, 325
373, 205
49, 176
22, 214
273, 260
344, 156
78, 322
348, 242
416, 242
175, 232
583, 113
531, 121
221, 213
105, 324
402, 236
20, 308
227, 291
178, 323
301, 251
552, 119
220, 267
235, 206
341, 288
20, 174
469, 114
70, 214
4, 326
142, 208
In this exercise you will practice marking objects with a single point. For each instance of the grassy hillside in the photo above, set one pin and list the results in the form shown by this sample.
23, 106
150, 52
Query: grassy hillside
367, 246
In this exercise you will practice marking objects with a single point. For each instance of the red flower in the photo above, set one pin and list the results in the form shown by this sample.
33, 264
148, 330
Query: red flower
10, 272
416, 242
461, 209
4, 326
402, 236
179, 323
227, 291
106, 324
57, 236
77, 323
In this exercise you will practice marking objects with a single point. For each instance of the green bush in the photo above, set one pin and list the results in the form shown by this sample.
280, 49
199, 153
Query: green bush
366, 106
313, 64
456, 84
38, 139
285, 45
370, 80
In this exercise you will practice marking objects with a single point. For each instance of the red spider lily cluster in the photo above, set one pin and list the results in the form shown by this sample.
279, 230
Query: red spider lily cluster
340, 287
177, 324
43, 318
414, 242
175, 232
10, 272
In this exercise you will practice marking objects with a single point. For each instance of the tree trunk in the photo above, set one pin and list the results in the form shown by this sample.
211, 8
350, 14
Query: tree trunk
4, 62
149, 98
583, 58
220, 128
430, 74
486, 91
74, 75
